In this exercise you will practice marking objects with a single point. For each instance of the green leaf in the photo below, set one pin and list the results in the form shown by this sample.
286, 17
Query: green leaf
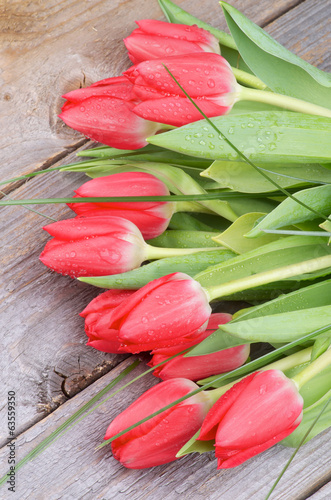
197, 222
318, 294
185, 239
279, 253
244, 178
279, 68
189, 264
279, 328
217, 341
233, 237
194, 446
290, 212
263, 136
316, 388
321, 344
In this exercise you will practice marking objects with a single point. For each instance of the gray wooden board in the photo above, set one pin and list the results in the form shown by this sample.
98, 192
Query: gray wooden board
44, 357
323, 493
72, 469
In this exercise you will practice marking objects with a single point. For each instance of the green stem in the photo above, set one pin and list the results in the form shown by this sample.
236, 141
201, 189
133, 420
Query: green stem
313, 369
282, 101
281, 273
191, 206
152, 253
248, 79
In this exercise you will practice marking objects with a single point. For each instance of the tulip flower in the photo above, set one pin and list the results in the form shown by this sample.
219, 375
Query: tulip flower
158, 440
96, 315
199, 367
170, 311
99, 246
206, 77
256, 413
103, 112
214, 321
154, 39
152, 218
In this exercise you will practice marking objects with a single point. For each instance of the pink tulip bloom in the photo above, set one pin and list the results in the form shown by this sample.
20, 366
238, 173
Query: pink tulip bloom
96, 315
103, 112
93, 246
199, 367
206, 77
151, 217
154, 39
158, 440
256, 413
213, 322
171, 310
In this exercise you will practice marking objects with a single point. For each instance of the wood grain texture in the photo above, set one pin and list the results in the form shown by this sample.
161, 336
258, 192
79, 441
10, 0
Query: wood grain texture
72, 469
49, 48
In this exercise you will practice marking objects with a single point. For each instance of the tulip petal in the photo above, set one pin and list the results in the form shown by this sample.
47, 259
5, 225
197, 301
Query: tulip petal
178, 111
174, 314
217, 412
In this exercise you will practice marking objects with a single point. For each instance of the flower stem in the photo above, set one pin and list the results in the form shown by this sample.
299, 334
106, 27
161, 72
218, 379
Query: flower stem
153, 253
308, 266
248, 79
313, 369
283, 101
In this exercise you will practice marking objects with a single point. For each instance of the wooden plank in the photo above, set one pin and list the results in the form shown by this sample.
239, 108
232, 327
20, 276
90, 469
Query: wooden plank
323, 493
311, 35
50, 48
71, 468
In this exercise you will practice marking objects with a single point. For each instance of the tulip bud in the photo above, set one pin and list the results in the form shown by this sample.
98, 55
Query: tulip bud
256, 413
93, 246
154, 39
103, 112
158, 440
169, 311
213, 322
151, 217
199, 367
96, 315
206, 77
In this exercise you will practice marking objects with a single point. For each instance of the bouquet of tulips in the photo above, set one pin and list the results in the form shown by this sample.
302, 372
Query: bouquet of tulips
223, 161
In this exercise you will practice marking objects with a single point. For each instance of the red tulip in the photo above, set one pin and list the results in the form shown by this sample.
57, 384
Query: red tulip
256, 413
206, 77
154, 39
151, 217
103, 112
93, 246
158, 440
96, 315
213, 322
199, 367
171, 310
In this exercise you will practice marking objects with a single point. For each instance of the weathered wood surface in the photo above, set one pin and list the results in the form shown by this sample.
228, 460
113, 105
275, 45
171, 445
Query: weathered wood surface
71, 468
47, 49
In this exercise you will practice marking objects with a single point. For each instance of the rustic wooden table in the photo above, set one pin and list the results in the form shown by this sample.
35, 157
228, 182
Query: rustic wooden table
47, 49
